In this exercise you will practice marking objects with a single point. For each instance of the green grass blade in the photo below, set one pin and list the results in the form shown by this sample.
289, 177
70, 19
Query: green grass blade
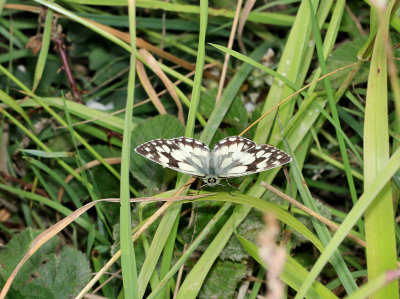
369, 289
332, 106
379, 217
163, 232
190, 249
356, 213
256, 64
44, 49
192, 284
290, 65
10, 102
55, 206
55, 176
195, 278
322, 231
128, 259
189, 132
84, 112
259, 17
228, 95
293, 273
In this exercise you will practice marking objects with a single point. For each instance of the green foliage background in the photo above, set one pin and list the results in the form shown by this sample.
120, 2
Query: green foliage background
342, 132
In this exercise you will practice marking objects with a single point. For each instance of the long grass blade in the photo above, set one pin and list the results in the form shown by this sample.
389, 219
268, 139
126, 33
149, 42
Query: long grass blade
379, 217
128, 259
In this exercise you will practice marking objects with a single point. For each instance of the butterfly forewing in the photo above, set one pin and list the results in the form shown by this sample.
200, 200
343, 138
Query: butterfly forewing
185, 155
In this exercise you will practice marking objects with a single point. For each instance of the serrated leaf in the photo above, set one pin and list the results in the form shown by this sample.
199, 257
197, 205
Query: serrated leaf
233, 251
249, 228
204, 212
45, 274
16, 249
147, 172
64, 274
222, 280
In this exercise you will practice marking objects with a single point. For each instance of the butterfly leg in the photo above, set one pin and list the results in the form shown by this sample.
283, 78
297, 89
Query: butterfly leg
231, 185
198, 190
226, 189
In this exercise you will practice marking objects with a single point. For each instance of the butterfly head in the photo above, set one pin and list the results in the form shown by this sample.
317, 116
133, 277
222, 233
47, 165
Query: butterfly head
211, 180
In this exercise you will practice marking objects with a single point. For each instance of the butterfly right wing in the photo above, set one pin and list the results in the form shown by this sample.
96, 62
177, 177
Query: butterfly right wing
256, 159
237, 156
186, 155
228, 152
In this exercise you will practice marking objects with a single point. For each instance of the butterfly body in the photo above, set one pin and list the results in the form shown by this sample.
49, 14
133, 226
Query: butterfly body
211, 180
231, 157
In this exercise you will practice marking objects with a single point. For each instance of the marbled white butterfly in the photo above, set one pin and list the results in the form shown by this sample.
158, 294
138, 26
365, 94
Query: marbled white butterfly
231, 157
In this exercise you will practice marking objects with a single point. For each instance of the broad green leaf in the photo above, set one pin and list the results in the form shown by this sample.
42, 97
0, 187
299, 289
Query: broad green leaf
342, 56
249, 228
45, 274
64, 274
16, 249
145, 171
236, 115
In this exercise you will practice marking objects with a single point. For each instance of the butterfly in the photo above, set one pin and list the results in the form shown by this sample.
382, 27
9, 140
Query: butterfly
231, 157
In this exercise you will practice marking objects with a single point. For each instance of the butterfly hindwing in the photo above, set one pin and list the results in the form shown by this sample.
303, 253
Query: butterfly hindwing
186, 155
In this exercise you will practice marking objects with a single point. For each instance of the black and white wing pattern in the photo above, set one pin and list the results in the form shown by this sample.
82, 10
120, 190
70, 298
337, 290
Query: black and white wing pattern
228, 151
238, 156
186, 155
231, 157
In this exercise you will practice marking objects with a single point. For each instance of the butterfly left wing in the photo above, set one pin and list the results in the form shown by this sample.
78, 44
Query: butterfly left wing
244, 157
186, 155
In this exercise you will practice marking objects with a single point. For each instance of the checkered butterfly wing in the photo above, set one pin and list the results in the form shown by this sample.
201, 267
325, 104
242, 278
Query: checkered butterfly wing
186, 155
238, 156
